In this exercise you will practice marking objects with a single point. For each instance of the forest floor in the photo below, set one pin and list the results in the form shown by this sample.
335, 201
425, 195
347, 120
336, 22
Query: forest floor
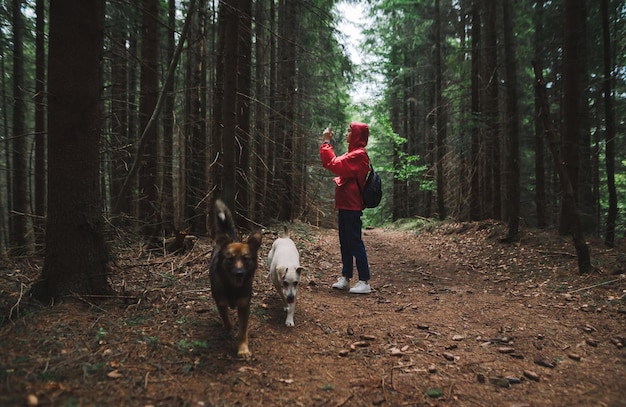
455, 318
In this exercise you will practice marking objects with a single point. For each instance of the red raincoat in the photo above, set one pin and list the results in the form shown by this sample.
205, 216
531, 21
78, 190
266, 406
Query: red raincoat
349, 167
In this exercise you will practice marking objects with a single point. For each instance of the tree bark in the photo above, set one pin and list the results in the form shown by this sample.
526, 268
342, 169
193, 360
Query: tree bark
229, 103
540, 171
572, 92
21, 221
286, 187
475, 208
441, 116
513, 196
5, 227
195, 106
609, 135
244, 90
169, 201
76, 256
490, 161
259, 139
119, 106
569, 200
149, 208
40, 121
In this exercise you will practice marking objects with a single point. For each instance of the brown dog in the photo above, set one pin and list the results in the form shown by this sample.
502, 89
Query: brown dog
232, 269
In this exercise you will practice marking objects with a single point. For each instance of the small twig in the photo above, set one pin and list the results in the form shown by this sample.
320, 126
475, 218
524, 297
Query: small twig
45, 369
403, 307
243, 381
449, 397
596, 285
566, 254
402, 366
17, 304
344, 401
95, 322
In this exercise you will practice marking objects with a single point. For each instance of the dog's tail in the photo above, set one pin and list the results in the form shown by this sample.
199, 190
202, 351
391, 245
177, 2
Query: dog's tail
223, 222
285, 231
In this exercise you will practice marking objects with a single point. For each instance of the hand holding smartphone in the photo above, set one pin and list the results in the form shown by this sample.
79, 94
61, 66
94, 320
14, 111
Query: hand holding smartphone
328, 133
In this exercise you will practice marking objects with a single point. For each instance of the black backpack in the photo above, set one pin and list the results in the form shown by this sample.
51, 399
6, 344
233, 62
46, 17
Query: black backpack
372, 191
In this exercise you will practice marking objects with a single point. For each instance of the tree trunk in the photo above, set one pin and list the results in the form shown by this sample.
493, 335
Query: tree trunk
261, 127
244, 86
149, 210
475, 209
584, 197
491, 196
540, 171
76, 257
229, 103
513, 196
196, 155
287, 189
569, 200
40, 121
609, 135
21, 230
4, 104
572, 92
441, 116
169, 201
271, 196
119, 106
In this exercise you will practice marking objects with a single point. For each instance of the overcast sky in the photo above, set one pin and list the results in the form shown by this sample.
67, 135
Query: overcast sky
353, 16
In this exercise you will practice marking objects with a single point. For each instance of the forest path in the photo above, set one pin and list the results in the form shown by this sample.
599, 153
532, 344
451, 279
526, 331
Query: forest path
455, 318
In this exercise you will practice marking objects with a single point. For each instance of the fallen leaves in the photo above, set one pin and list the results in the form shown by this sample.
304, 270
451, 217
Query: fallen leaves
114, 374
389, 348
32, 400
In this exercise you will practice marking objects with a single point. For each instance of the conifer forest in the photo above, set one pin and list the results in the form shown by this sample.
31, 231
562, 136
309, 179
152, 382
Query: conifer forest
121, 123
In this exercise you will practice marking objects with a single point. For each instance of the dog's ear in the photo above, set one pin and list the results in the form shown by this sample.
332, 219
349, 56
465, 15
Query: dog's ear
254, 241
299, 270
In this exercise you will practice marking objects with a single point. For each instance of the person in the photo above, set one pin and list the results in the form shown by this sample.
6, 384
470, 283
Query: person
351, 169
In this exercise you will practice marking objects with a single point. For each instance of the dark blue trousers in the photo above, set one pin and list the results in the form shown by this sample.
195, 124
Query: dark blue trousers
352, 247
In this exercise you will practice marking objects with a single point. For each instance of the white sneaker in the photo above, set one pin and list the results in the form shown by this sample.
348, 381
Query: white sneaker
361, 288
342, 283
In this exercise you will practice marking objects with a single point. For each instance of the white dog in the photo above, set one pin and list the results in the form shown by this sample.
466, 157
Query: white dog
285, 270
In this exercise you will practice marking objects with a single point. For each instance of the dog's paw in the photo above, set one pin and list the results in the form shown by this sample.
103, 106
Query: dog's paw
244, 352
289, 322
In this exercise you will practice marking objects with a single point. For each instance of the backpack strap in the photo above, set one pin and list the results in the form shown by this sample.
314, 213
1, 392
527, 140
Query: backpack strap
371, 169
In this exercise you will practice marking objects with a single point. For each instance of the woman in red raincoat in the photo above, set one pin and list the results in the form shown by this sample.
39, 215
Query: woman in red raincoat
351, 169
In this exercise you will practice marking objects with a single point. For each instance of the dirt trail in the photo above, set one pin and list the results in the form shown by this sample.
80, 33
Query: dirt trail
455, 319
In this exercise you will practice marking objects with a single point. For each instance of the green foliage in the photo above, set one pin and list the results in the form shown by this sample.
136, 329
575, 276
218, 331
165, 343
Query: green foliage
434, 392
408, 169
620, 187
387, 154
388, 148
152, 341
100, 334
190, 346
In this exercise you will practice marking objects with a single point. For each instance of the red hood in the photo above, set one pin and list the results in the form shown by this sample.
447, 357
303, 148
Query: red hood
359, 136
